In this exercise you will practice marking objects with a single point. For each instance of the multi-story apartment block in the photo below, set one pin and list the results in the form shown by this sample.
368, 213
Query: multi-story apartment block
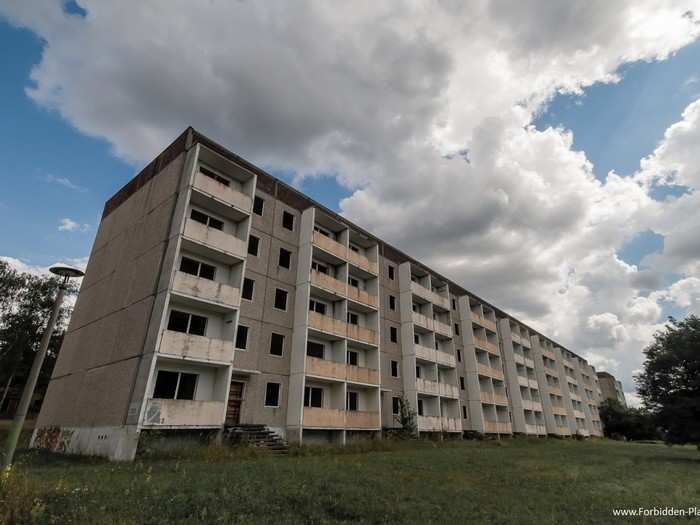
218, 296
611, 388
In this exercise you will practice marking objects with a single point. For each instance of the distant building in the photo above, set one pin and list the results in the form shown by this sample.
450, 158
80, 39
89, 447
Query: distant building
218, 296
611, 388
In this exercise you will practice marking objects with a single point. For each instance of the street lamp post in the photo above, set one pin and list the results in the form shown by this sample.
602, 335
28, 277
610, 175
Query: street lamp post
13, 437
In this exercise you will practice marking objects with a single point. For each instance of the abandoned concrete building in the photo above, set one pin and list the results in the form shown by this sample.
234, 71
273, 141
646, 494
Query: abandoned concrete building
218, 296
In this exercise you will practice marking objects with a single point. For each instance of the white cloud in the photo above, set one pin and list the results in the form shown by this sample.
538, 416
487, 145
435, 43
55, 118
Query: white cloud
65, 182
69, 225
377, 94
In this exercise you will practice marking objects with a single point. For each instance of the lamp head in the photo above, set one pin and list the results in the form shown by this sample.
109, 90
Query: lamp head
66, 271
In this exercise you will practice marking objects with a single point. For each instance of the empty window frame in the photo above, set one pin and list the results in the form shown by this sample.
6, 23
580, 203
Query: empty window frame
242, 337
276, 344
320, 268
352, 401
285, 258
317, 306
392, 302
288, 221
353, 318
197, 268
418, 372
464, 412
208, 220
352, 281
315, 349
213, 175
281, 299
394, 368
420, 407
187, 323
416, 338
258, 205
459, 355
248, 289
391, 272
272, 395
253, 245
456, 328
461, 383
313, 397
175, 385
353, 357
393, 334
395, 405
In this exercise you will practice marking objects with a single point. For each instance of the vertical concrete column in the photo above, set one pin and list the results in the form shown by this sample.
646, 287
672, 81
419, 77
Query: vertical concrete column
408, 351
297, 366
474, 407
582, 387
565, 390
511, 373
549, 422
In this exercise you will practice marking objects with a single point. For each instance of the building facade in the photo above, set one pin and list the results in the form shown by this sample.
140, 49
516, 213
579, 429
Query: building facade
611, 388
216, 295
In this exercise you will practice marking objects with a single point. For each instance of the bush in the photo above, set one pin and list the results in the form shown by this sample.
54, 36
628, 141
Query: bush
18, 498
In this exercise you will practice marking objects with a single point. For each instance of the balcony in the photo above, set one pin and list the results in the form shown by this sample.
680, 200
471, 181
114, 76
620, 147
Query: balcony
451, 424
362, 262
552, 371
519, 359
327, 282
571, 380
535, 406
489, 371
558, 410
329, 245
425, 353
525, 341
522, 381
549, 354
579, 415
324, 417
583, 432
563, 430
515, 337
362, 420
221, 192
429, 424
184, 413
529, 363
425, 386
535, 429
486, 323
448, 390
215, 239
430, 296
361, 374
422, 321
533, 384
554, 389
196, 347
486, 346
442, 328
362, 334
362, 296
497, 427
328, 324
574, 396
332, 370
445, 359
206, 289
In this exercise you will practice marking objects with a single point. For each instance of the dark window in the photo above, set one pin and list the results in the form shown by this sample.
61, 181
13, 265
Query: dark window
285, 259
454, 304
258, 205
391, 273
187, 386
394, 369
212, 175
242, 337
353, 357
437, 346
313, 397
353, 282
459, 356
199, 216
207, 271
280, 299
464, 412
314, 349
392, 302
190, 266
178, 321
198, 325
395, 405
354, 248
288, 220
215, 223
320, 268
456, 328
166, 385
248, 287
253, 244
272, 395
351, 401
420, 407
276, 344
353, 318
418, 372
315, 306
393, 334
461, 383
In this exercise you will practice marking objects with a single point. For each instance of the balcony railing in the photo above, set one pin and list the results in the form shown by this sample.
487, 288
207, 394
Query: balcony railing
206, 289
533, 384
363, 262
558, 410
328, 324
341, 371
327, 282
554, 389
564, 430
529, 363
486, 346
429, 424
362, 334
522, 381
535, 429
525, 341
549, 354
216, 239
579, 415
448, 390
486, 323
425, 386
329, 245
184, 413
532, 405
422, 321
425, 353
324, 417
451, 424
550, 370
196, 347
221, 192
518, 358
429, 295
445, 359
490, 371
361, 419
442, 328
362, 296
497, 427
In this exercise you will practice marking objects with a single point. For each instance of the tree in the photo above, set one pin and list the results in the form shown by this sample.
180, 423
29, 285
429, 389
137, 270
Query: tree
670, 380
630, 423
25, 305
407, 419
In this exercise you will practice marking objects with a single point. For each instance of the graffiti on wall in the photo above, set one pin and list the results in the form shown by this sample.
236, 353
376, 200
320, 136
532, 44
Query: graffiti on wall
54, 438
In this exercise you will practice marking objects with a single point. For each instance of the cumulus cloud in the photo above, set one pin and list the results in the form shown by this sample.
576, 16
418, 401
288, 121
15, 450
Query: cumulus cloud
69, 225
424, 111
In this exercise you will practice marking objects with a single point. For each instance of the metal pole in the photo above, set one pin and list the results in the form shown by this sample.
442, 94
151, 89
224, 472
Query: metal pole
28, 393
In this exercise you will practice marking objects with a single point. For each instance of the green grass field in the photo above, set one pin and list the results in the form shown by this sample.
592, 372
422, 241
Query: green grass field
511, 481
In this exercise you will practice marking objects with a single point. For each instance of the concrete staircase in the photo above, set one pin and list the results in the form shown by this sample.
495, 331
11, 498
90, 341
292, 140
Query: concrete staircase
258, 436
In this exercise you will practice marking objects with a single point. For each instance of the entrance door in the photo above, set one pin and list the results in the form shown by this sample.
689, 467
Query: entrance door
235, 398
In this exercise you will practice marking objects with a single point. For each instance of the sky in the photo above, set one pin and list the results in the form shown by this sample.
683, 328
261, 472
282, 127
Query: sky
542, 154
